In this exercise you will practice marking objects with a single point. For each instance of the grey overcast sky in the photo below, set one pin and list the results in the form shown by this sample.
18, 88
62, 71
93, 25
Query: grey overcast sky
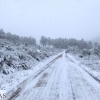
52, 18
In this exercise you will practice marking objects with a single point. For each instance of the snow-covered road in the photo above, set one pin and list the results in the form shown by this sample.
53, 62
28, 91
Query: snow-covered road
61, 80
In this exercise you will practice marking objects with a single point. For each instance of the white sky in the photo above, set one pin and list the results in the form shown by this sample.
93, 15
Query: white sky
52, 18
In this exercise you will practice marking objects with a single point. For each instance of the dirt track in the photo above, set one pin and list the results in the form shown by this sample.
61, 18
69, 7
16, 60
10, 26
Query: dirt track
61, 79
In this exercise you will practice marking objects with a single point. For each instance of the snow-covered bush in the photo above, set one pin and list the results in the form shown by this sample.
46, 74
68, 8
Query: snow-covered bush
20, 57
86, 52
9, 48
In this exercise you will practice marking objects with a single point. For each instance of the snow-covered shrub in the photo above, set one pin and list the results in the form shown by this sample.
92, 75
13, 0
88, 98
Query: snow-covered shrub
86, 52
81, 56
25, 66
9, 48
21, 56
1, 53
34, 54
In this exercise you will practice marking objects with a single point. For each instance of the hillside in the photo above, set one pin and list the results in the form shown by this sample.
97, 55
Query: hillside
15, 57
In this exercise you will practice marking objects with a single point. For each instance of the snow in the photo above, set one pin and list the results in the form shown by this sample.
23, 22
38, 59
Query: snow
93, 70
8, 82
63, 79
20, 57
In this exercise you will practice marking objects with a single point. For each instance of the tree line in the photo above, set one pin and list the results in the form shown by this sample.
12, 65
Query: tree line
62, 43
17, 39
86, 48
65, 43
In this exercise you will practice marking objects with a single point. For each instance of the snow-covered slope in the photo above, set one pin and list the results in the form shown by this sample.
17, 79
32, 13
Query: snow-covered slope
11, 81
20, 57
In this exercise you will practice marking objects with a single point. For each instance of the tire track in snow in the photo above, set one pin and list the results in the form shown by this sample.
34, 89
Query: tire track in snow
16, 93
81, 85
54, 91
62, 80
98, 80
45, 95
39, 90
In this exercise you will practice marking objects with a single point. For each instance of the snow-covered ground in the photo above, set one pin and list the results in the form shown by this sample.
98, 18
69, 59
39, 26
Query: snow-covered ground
62, 79
8, 82
91, 65
20, 57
